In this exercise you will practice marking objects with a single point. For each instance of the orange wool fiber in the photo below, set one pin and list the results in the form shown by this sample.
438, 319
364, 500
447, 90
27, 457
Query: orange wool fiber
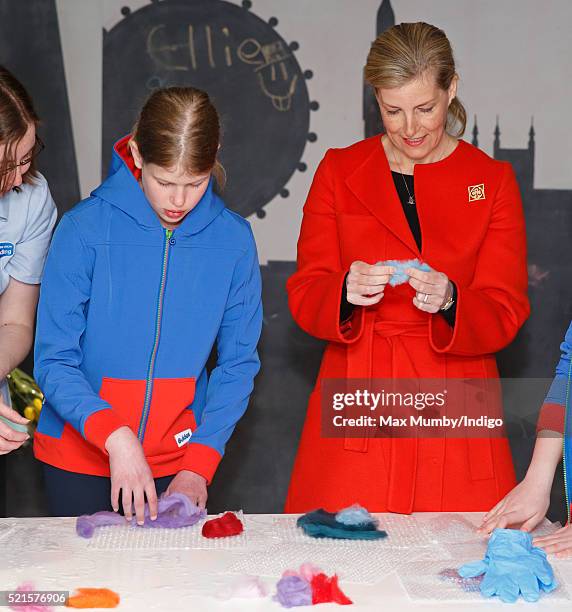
93, 598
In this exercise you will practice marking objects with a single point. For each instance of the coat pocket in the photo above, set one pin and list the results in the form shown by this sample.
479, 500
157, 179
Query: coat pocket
483, 399
171, 420
126, 397
480, 456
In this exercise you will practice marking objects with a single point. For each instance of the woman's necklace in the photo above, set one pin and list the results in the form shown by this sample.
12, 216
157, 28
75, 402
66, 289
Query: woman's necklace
411, 200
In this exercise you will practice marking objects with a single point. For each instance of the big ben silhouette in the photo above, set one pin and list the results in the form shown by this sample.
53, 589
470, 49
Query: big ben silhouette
371, 115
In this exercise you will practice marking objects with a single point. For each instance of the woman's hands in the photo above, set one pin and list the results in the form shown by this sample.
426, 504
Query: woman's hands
10, 438
559, 543
525, 505
130, 473
433, 289
193, 485
365, 283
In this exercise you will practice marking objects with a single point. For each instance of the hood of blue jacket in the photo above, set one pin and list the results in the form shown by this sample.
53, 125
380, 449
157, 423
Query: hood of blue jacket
122, 190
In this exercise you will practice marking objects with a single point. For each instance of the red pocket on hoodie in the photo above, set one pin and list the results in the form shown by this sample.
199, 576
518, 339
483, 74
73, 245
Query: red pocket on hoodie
171, 421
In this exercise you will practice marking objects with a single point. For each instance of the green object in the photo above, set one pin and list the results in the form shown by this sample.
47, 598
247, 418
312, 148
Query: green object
16, 426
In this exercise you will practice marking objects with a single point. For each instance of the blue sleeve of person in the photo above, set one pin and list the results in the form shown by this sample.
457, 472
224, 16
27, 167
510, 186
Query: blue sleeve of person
512, 567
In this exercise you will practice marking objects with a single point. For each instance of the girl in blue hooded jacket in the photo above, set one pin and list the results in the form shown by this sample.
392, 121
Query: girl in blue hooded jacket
142, 279
526, 505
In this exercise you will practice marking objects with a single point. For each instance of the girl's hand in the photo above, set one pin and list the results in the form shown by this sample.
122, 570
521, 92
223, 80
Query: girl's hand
193, 485
559, 542
130, 473
365, 283
433, 289
525, 505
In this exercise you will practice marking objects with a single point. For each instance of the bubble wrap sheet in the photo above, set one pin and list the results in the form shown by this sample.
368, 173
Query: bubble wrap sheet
452, 528
456, 536
359, 561
439, 581
402, 532
135, 538
351, 564
5, 530
42, 535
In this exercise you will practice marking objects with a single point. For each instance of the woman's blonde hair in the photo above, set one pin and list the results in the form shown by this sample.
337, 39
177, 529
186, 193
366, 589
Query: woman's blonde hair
407, 51
179, 126
16, 115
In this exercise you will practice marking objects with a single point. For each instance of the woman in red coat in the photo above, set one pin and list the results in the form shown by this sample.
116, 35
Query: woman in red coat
420, 192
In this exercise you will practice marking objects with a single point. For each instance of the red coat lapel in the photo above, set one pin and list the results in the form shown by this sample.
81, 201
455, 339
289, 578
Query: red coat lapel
372, 183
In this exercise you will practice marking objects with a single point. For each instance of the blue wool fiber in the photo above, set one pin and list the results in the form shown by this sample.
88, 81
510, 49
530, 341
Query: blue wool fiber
399, 276
355, 515
322, 524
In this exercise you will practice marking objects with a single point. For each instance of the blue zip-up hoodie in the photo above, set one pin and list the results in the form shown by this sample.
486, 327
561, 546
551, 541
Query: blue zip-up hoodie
127, 318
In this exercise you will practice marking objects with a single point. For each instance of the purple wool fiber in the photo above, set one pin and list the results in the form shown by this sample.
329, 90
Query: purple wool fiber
293, 591
86, 524
173, 511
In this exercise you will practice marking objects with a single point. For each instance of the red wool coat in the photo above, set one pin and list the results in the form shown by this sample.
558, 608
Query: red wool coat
476, 237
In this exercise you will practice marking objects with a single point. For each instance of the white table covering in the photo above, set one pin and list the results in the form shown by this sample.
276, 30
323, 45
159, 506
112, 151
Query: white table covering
172, 570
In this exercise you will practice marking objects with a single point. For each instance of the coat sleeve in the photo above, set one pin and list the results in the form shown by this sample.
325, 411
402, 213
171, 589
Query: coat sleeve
315, 289
552, 412
493, 307
61, 322
232, 380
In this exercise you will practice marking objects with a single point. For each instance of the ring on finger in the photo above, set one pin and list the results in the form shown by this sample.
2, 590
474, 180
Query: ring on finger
426, 298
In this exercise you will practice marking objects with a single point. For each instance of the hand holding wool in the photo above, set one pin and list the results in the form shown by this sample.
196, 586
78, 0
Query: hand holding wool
174, 511
193, 485
365, 284
433, 289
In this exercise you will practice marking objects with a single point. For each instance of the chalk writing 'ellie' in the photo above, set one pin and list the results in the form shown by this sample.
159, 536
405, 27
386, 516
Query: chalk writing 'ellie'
215, 48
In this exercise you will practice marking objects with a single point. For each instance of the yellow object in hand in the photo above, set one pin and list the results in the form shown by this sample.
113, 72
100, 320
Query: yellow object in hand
30, 413
37, 403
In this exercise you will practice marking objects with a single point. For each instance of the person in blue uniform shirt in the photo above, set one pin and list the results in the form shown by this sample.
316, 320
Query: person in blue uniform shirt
27, 218
526, 505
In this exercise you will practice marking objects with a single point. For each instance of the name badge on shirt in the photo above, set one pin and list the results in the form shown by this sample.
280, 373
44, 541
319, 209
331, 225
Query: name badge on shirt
6, 249
183, 437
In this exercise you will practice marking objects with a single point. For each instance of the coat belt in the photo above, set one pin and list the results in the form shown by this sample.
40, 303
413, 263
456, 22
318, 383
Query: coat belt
360, 358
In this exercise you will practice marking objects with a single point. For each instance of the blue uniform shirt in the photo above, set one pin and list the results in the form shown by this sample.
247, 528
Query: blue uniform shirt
27, 219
